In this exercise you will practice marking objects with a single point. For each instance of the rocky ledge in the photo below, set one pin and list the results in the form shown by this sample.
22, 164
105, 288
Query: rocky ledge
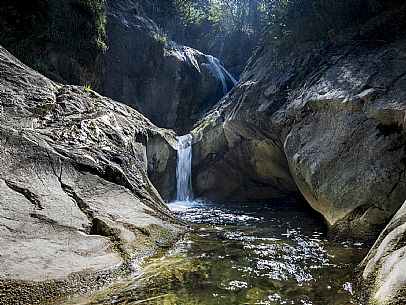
77, 208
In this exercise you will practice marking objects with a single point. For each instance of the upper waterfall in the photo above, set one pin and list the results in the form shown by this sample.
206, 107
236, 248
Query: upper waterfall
220, 72
184, 169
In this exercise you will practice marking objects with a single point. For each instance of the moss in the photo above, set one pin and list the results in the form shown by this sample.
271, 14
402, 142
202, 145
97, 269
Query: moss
30, 292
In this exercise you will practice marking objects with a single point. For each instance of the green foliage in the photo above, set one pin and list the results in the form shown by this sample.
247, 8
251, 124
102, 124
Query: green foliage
31, 29
87, 88
79, 26
294, 24
160, 38
218, 27
211, 25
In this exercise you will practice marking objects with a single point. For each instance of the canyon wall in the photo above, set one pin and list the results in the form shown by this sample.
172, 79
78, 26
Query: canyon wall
77, 207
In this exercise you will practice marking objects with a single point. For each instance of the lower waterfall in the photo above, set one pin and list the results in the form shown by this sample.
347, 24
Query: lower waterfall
184, 169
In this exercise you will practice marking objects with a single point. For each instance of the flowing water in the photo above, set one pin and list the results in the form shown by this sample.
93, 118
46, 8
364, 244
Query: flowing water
245, 253
183, 169
220, 72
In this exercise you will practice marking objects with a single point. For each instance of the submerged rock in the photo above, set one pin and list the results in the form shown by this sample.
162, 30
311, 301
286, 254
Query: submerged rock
77, 207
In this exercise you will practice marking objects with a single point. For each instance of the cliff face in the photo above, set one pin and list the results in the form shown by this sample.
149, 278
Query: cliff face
331, 123
333, 115
171, 84
77, 207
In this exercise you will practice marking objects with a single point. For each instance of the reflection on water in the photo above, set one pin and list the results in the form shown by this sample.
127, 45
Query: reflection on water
256, 253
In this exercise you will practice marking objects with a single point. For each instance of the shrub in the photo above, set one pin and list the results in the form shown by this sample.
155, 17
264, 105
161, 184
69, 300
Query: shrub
29, 29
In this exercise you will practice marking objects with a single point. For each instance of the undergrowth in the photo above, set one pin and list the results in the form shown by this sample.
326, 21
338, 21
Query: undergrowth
33, 29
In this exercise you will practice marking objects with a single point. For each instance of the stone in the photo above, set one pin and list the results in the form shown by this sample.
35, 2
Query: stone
171, 84
327, 123
77, 208
385, 263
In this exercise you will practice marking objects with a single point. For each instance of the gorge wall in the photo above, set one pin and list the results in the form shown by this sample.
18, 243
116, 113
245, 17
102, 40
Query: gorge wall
76, 206
171, 84
329, 122
119, 51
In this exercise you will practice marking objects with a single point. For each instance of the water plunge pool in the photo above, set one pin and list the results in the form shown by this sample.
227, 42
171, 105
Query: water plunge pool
245, 253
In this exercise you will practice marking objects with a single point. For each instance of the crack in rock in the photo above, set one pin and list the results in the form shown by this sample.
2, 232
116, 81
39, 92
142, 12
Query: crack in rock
98, 226
33, 198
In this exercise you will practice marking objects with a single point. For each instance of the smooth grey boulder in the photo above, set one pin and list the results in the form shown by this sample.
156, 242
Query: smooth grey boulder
384, 266
77, 208
234, 160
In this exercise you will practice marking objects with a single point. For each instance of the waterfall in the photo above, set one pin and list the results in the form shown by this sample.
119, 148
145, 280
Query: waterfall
184, 169
220, 72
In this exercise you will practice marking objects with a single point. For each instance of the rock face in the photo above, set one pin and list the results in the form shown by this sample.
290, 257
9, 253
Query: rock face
76, 205
334, 115
236, 160
329, 122
172, 85
385, 265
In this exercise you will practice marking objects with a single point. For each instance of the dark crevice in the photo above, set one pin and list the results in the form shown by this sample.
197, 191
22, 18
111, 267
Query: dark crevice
388, 129
50, 221
83, 207
33, 198
98, 226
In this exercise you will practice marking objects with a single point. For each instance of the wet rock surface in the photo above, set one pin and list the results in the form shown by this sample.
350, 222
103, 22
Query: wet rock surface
77, 207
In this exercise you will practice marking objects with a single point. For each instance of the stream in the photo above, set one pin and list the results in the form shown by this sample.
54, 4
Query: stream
245, 253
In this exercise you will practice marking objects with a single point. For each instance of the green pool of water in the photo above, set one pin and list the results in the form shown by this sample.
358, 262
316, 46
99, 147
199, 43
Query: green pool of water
256, 253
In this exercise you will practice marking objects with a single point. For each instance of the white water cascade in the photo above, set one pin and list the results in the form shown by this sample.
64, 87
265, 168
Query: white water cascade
220, 72
184, 169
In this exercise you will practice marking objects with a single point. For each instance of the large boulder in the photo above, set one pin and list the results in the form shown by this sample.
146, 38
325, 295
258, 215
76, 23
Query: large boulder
76, 206
236, 160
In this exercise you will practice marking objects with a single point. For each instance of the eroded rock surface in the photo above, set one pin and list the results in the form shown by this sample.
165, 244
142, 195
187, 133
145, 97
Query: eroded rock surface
330, 122
334, 115
77, 207
385, 265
